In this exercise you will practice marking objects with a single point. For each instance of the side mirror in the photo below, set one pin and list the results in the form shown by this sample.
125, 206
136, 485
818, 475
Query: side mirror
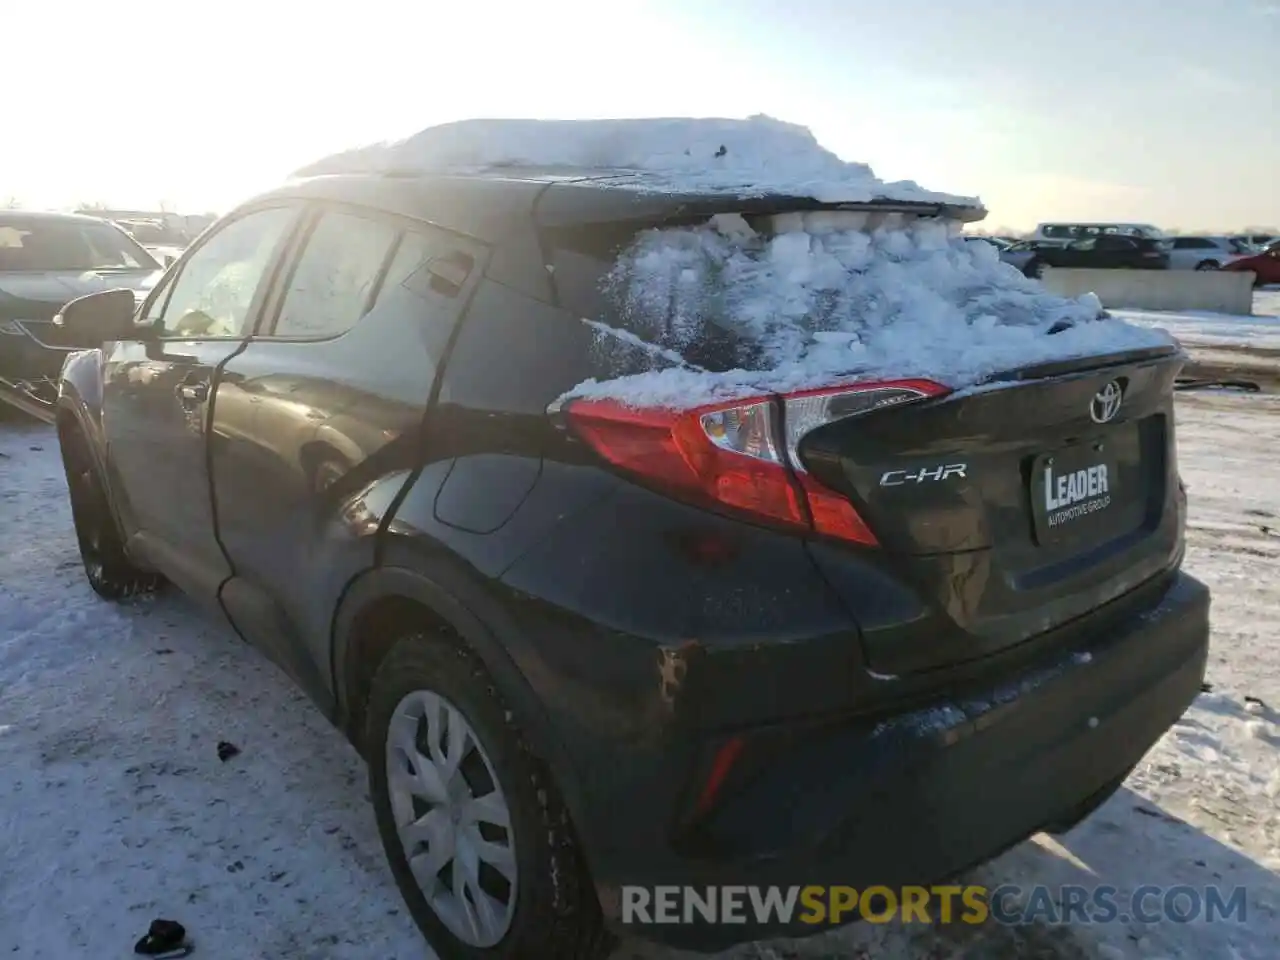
96, 318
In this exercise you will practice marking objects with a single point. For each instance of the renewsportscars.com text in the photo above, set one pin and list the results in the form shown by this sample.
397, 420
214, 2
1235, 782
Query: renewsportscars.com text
1007, 905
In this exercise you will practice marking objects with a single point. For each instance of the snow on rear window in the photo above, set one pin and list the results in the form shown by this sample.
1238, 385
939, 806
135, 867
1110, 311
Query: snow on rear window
809, 305
758, 156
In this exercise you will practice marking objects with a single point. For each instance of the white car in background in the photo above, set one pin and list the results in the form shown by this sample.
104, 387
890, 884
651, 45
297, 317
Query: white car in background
1205, 252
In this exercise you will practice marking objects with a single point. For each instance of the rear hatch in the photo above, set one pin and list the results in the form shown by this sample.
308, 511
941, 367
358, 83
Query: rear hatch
932, 420
1011, 511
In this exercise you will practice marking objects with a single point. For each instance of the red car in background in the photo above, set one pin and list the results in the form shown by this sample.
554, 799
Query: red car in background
1265, 265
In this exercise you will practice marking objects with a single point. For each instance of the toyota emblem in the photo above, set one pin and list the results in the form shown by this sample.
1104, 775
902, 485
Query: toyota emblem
1106, 403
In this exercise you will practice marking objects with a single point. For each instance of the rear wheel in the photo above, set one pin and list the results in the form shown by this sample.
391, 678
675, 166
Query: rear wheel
109, 571
478, 839
1034, 269
1207, 265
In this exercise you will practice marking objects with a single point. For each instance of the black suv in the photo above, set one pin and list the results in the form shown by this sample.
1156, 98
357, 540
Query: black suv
586, 644
1106, 252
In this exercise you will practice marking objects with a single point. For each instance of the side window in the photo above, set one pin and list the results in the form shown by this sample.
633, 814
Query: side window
333, 282
414, 250
430, 265
212, 294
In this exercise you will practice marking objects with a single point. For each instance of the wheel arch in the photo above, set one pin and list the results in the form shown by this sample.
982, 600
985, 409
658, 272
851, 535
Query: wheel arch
374, 611
78, 413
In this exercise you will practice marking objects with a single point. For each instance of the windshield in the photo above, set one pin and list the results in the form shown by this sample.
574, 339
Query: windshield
39, 244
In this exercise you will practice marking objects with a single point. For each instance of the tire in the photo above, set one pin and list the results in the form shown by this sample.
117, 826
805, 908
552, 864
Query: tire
107, 568
1034, 269
324, 466
548, 907
1208, 265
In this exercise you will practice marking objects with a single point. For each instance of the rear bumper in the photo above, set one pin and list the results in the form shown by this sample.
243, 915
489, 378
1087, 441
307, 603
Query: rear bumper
920, 796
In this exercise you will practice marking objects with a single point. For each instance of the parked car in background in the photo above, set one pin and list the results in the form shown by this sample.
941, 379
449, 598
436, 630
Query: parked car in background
998, 242
47, 259
1258, 241
1064, 233
1205, 253
585, 643
163, 241
1019, 253
1265, 265
1105, 252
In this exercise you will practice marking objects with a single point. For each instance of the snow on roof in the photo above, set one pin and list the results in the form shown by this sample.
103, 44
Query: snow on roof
814, 304
758, 156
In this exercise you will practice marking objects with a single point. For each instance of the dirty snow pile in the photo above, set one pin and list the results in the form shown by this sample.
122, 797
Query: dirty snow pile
819, 299
758, 156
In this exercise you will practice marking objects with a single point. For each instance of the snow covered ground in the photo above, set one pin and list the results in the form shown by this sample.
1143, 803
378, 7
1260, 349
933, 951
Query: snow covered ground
115, 809
1262, 330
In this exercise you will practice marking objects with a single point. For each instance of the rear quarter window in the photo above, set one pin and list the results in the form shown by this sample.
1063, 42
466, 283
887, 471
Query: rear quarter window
584, 262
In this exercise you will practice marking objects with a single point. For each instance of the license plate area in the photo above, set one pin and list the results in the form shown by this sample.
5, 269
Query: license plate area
1088, 491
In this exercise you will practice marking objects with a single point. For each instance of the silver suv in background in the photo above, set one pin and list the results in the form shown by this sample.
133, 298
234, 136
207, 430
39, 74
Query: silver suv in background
1206, 253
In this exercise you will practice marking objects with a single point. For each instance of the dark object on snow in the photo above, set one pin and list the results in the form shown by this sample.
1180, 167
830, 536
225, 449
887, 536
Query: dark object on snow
227, 750
1206, 688
166, 938
1156, 814
1258, 700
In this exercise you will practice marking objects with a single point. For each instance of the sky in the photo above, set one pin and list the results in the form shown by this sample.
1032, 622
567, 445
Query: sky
1154, 111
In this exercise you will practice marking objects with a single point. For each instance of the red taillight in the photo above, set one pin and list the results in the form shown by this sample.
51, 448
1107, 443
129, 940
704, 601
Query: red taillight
742, 455
723, 762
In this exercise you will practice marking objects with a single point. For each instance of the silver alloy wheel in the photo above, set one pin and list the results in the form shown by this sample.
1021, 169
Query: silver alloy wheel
452, 818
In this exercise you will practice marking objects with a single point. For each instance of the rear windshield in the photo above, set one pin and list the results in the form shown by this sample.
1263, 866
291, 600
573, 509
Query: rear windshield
763, 294
38, 244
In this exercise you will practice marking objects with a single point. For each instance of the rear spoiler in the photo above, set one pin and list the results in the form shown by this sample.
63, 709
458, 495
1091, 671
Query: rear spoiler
1058, 368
